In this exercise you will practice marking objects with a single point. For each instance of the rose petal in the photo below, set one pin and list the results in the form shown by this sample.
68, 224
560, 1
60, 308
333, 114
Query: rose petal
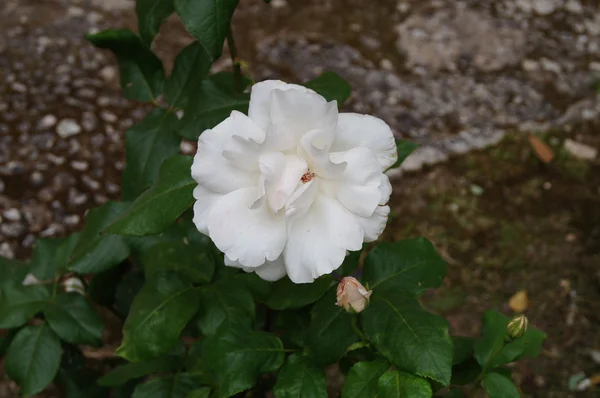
205, 200
374, 225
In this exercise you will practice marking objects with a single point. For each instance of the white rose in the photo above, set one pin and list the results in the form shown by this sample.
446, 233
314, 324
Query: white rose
352, 295
293, 186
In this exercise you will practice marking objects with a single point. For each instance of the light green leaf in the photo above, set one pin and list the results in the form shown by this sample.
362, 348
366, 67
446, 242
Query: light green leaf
408, 336
212, 103
51, 255
286, 295
142, 73
19, 303
94, 251
74, 319
331, 86
222, 303
159, 313
405, 148
147, 145
499, 386
158, 207
195, 263
150, 15
330, 331
299, 378
362, 379
191, 67
208, 21
412, 265
403, 385
237, 355
33, 358
178, 385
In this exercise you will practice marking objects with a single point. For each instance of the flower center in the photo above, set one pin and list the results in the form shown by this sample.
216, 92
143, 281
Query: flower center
306, 177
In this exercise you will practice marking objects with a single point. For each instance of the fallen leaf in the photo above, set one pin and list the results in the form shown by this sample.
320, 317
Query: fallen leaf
541, 149
519, 302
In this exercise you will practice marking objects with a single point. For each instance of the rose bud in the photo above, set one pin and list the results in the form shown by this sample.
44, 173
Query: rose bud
352, 295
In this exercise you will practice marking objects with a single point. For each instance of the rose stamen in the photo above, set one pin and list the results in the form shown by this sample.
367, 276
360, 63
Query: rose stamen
306, 177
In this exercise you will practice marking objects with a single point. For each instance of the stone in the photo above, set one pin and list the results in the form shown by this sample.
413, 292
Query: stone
67, 128
108, 73
544, 7
6, 251
12, 214
574, 6
46, 122
19, 87
12, 230
108, 116
580, 150
79, 165
36, 179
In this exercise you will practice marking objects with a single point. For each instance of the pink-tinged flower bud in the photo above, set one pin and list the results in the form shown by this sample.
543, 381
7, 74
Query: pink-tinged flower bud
352, 295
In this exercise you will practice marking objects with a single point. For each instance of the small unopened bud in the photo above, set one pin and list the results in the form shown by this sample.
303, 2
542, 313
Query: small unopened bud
352, 295
517, 326
74, 285
30, 279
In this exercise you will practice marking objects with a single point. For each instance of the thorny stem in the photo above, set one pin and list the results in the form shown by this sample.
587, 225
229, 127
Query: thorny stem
237, 68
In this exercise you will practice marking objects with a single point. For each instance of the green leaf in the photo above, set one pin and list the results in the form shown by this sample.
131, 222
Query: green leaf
191, 67
127, 290
362, 379
402, 385
162, 204
78, 380
237, 355
12, 272
405, 148
463, 349
330, 331
351, 263
212, 103
331, 86
411, 265
74, 319
203, 392
465, 373
51, 255
454, 393
147, 145
408, 336
178, 385
208, 21
159, 313
19, 303
123, 373
95, 252
287, 294
150, 15
533, 341
142, 73
299, 378
196, 265
499, 386
291, 326
222, 303
33, 358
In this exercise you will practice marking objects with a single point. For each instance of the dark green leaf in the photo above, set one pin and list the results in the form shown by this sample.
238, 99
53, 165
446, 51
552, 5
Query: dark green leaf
130, 371
212, 103
158, 315
465, 372
33, 358
102, 288
396, 384
330, 332
6, 337
299, 378
350, 263
191, 67
95, 252
454, 393
411, 338
285, 294
142, 74
331, 86
74, 319
225, 301
151, 14
292, 326
208, 21
178, 385
51, 255
499, 386
200, 393
463, 349
405, 148
147, 145
196, 265
412, 265
78, 380
19, 303
12, 271
237, 355
362, 379
159, 206
127, 290
533, 341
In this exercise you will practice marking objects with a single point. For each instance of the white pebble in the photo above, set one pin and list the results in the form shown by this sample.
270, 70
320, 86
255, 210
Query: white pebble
67, 128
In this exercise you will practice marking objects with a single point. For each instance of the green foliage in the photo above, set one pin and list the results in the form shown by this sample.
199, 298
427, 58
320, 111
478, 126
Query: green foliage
19, 303
74, 319
191, 67
405, 148
300, 378
363, 379
285, 294
399, 385
178, 385
196, 265
51, 256
11, 272
331, 86
151, 14
498, 385
142, 74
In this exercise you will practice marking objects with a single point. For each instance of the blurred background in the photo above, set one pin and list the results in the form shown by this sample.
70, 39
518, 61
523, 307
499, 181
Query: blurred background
502, 95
